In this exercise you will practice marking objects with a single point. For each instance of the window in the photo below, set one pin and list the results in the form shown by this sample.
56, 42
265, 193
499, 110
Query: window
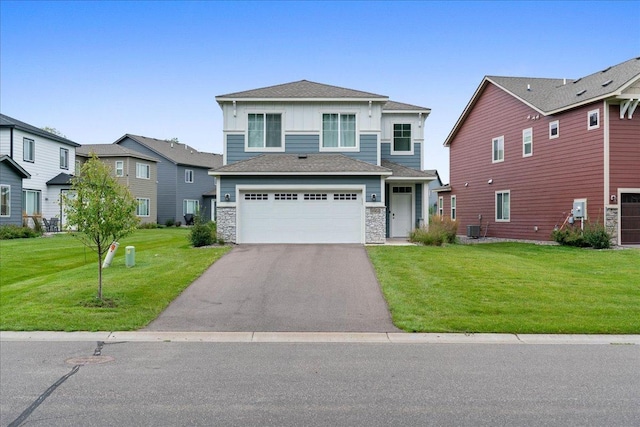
503, 208
119, 168
338, 131
143, 207
453, 207
286, 196
527, 142
265, 131
64, 158
498, 149
315, 196
345, 196
593, 119
28, 150
5, 200
188, 175
402, 138
554, 129
31, 202
440, 205
190, 206
256, 196
143, 171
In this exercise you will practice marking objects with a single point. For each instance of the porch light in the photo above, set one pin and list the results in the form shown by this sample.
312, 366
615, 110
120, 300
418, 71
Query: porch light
227, 197
373, 197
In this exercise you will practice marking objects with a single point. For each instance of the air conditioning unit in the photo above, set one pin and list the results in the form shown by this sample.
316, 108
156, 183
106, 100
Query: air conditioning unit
473, 231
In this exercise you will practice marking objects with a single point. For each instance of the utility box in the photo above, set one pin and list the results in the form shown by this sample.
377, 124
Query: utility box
473, 231
130, 256
579, 209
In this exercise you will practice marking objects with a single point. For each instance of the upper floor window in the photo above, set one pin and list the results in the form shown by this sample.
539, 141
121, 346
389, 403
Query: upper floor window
554, 129
188, 175
64, 158
119, 168
143, 171
503, 206
527, 142
5, 200
28, 150
453, 207
498, 149
338, 131
402, 138
264, 131
594, 119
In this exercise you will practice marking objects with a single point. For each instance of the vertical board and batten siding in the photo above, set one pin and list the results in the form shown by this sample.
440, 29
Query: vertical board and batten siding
8, 176
5, 142
413, 161
228, 183
304, 144
624, 150
389, 119
543, 186
202, 183
166, 179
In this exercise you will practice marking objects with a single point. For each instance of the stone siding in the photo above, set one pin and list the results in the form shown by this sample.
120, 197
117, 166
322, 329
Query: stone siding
611, 224
226, 224
375, 225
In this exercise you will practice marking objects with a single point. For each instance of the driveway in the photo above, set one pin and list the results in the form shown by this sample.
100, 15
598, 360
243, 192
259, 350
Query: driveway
283, 288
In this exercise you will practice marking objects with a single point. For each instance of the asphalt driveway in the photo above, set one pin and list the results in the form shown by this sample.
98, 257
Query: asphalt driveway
283, 288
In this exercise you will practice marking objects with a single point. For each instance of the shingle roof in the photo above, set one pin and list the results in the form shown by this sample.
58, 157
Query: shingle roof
177, 153
400, 171
111, 150
302, 89
14, 165
10, 122
552, 95
399, 106
60, 179
304, 164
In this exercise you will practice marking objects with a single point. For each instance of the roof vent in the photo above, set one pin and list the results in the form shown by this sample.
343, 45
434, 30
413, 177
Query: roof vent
529, 87
302, 156
581, 92
606, 69
607, 83
576, 81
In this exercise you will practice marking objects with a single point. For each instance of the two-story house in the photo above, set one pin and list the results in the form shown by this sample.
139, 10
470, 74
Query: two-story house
134, 170
528, 155
184, 184
49, 159
306, 162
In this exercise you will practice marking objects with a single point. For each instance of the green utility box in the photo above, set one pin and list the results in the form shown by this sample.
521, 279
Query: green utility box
130, 256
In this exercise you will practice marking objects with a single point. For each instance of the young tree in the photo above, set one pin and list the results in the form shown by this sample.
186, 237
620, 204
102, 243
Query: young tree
100, 209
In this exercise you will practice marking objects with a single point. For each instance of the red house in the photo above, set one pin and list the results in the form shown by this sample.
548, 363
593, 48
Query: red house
526, 153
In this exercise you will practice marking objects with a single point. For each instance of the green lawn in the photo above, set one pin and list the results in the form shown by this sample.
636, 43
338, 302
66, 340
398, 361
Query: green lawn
510, 288
47, 283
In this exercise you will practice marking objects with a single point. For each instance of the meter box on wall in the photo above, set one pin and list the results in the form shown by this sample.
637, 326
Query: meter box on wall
580, 208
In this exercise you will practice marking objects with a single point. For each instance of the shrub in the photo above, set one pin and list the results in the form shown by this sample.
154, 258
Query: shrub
570, 237
169, 222
202, 233
147, 226
16, 232
178, 224
440, 230
596, 236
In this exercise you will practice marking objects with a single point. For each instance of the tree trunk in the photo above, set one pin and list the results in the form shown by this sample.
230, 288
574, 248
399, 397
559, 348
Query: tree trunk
99, 275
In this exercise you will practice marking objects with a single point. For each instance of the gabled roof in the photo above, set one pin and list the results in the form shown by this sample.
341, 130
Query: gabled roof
552, 96
301, 164
60, 179
402, 172
177, 153
301, 90
15, 166
9, 122
111, 150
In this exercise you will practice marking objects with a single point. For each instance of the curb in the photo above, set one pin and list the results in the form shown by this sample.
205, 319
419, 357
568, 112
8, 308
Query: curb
320, 337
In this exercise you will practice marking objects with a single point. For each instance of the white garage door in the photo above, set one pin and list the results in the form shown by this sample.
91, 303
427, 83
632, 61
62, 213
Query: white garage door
300, 217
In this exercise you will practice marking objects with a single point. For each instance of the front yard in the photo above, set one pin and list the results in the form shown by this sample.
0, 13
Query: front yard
510, 288
49, 283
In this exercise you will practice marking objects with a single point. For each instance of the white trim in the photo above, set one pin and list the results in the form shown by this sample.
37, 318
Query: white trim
412, 214
339, 148
115, 169
66, 158
524, 143
453, 207
606, 153
493, 140
138, 199
138, 172
8, 200
619, 206
440, 207
557, 135
264, 148
254, 173
392, 141
589, 125
186, 171
495, 206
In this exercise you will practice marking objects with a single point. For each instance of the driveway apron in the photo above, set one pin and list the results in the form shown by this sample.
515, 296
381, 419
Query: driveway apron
282, 288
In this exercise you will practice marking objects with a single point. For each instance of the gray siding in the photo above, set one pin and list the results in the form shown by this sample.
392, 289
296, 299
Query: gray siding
408, 161
307, 144
418, 196
202, 183
228, 183
9, 177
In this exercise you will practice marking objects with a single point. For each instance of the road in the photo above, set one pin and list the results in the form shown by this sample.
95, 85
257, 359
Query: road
317, 384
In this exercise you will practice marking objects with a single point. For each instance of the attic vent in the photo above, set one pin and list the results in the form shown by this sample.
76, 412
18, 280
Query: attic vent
581, 92
607, 83
302, 156
606, 69
576, 81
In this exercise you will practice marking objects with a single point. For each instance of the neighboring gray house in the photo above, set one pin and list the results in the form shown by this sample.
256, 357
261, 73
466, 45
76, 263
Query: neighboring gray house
184, 185
433, 194
311, 163
11, 176
135, 170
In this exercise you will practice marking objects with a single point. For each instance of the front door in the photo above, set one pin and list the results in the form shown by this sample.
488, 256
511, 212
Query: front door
401, 198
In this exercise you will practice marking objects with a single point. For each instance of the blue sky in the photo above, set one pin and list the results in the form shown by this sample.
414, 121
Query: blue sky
97, 70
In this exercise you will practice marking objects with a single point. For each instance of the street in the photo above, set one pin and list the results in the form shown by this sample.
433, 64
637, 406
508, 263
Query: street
317, 384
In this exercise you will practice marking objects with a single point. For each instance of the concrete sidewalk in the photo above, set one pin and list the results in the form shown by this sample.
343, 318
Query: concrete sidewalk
321, 337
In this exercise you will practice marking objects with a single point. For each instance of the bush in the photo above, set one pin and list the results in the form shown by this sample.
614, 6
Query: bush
178, 224
597, 237
169, 222
440, 230
16, 232
594, 235
147, 226
202, 233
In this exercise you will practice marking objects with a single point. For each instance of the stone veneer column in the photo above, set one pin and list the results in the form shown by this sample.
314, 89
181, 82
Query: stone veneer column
375, 225
226, 224
611, 224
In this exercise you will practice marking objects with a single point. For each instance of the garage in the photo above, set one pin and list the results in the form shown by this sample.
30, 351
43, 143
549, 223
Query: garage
630, 219
309, 216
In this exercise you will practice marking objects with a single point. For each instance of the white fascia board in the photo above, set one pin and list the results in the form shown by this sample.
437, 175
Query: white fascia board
465, 112
214, 173
407, 178
425, 111
517, 97
381, 100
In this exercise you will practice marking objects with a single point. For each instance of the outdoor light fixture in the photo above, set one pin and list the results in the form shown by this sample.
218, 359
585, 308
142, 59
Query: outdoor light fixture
490, 181
227, 197
373, 197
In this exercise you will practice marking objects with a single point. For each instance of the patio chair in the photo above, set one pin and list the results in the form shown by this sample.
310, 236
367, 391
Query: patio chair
54, 224
188, 219
47, 224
